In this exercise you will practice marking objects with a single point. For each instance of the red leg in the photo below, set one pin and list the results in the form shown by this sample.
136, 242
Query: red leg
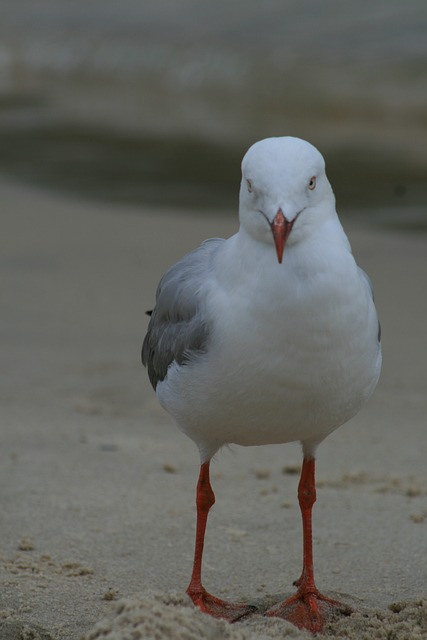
207, 603
308, 609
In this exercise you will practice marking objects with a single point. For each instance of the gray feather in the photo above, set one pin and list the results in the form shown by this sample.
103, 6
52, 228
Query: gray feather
178, 329
369, 283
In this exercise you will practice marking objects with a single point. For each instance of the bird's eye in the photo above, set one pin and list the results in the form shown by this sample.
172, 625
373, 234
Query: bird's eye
249, 185
312, 183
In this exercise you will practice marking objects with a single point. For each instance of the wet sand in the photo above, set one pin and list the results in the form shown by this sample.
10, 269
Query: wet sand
97, 486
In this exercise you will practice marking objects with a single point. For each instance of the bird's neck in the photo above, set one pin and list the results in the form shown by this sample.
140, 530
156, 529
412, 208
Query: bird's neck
244, 258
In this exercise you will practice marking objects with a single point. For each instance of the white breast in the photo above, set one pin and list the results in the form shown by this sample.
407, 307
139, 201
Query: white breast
293, 355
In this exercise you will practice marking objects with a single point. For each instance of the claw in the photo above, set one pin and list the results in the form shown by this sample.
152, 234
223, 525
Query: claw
309, 610
220, 608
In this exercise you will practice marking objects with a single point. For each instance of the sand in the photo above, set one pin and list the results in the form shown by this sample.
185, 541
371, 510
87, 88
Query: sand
97, 486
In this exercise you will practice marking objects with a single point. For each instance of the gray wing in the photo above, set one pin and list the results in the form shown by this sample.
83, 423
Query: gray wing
371, 288
177, 328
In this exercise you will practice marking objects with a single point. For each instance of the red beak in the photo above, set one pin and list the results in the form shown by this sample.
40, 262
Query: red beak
281, 229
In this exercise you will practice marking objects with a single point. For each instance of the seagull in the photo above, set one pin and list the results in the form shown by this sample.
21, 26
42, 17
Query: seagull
267, 337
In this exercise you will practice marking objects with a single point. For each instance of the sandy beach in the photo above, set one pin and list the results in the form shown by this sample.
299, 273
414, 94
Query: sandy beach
97, 485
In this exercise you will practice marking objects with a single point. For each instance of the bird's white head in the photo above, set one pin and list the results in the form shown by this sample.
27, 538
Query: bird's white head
284, 191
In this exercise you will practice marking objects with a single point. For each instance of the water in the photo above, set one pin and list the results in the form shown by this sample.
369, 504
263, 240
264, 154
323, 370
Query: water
156, 102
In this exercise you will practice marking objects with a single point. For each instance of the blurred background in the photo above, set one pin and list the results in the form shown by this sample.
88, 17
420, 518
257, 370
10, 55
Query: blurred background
156, 102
